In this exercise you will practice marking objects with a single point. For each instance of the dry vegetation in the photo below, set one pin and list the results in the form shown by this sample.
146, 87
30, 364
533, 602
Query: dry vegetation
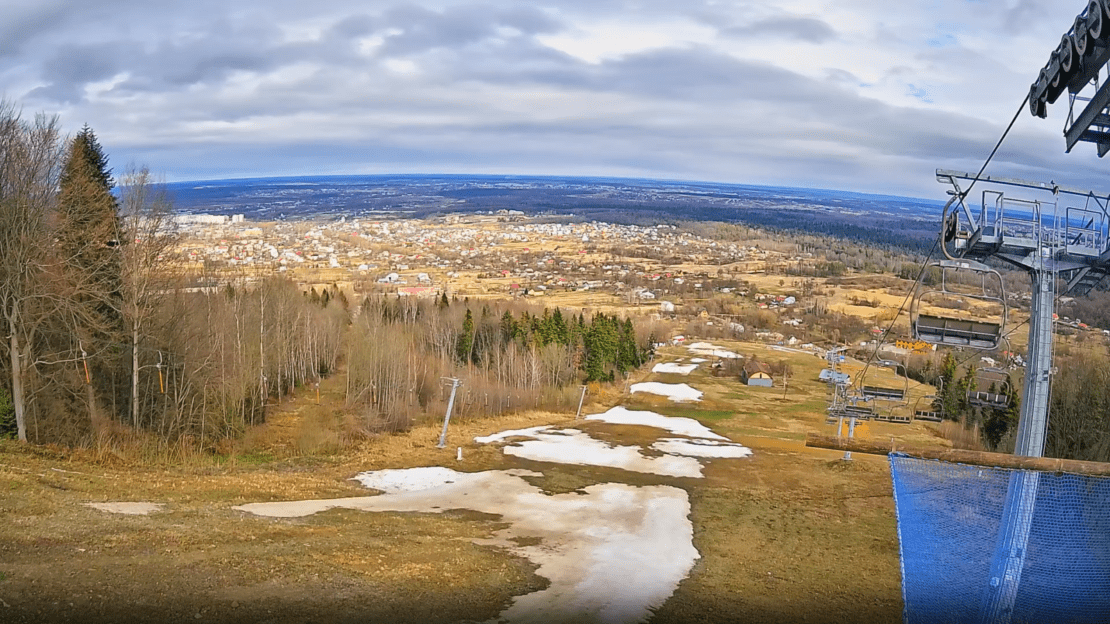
773, 532
270, 394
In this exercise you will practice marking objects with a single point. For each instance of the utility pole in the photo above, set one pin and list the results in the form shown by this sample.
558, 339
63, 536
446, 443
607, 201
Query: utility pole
580, 400
455, 383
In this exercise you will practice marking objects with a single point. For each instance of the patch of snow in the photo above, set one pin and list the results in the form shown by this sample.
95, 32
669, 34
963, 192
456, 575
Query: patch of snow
670, 367
571, 446
698, 360
679, 426
504, 435
640, 535
701, 448
675, 392
130, 509
409, 479
705, 348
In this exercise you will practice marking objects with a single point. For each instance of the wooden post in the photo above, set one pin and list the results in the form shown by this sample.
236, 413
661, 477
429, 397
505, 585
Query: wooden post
972, 458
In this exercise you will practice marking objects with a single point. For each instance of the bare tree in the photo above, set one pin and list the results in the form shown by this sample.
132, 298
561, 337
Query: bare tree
30, 154
147, 233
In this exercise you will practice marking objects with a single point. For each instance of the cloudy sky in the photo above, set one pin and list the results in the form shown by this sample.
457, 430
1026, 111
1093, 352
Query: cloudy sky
859, 95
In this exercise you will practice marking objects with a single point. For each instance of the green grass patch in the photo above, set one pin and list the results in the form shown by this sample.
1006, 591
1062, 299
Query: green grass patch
254, 458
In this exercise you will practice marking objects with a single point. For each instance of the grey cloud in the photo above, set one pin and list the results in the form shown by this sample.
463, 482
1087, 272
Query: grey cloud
423, 29
530, 20
20, 26
697, 72
74, 66
354, 26
477, 103
806, 29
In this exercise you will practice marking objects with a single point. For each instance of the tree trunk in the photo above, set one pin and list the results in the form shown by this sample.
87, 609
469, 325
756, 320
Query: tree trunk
17, 388
135, 375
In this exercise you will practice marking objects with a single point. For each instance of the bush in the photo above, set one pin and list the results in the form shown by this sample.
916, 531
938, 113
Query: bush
7, 415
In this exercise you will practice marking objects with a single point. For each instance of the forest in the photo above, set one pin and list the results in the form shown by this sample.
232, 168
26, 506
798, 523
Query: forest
106, 338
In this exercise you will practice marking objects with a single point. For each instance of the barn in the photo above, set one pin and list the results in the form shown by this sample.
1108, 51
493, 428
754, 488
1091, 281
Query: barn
756, 373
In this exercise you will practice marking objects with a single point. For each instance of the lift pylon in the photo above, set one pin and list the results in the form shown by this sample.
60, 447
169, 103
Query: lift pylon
1053, 233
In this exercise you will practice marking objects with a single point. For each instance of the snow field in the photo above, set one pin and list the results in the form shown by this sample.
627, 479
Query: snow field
639, 535
674, 392
705, 348
674, 368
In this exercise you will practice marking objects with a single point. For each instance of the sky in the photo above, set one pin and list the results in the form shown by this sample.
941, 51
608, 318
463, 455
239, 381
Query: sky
857, 95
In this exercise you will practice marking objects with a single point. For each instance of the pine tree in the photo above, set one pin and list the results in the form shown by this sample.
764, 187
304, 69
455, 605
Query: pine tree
1000, 420
89, 214
946, 401
964, 387
465, 341
559, 326
88, 238
508, 327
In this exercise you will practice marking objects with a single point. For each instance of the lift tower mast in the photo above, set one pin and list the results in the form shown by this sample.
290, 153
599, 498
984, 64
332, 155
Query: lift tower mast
1060, 233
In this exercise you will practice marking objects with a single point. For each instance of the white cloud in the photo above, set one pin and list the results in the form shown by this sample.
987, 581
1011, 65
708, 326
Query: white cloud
851, 94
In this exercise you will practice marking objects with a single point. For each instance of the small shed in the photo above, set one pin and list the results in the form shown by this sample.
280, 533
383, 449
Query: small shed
756, 373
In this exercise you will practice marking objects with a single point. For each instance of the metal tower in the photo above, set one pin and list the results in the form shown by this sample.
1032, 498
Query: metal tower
1056, 234
1052, 232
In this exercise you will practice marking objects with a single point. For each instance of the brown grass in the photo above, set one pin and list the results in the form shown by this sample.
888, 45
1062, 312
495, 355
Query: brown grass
960, 435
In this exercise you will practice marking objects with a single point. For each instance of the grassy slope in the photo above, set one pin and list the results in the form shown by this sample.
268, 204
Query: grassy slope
790, 533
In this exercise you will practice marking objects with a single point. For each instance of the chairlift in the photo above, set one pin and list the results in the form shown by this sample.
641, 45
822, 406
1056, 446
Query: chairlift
885, 393
959, 330
860, 412
931, 415
985, 377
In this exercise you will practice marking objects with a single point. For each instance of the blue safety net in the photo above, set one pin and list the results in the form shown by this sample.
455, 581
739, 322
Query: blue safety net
1000, 545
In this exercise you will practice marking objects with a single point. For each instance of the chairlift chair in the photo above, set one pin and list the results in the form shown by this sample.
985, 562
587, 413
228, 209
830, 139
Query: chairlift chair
885, 393
930, 414
959, 330
999, 399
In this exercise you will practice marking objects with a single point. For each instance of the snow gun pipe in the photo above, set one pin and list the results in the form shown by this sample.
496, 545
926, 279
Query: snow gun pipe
958, 456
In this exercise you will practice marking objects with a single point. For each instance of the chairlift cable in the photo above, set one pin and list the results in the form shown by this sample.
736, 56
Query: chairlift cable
925, 262
997, 145
913, 288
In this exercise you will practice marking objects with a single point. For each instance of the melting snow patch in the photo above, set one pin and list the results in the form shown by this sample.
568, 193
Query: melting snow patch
705, 348
701, 448
571, 446
410, 479
675, 392
670, 367
698, 360
678, 426
640, 535
512, 433
130, 509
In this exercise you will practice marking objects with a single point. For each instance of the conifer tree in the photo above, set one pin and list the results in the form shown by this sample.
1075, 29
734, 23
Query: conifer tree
88, 237
508, 327
466, 339
946, 399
